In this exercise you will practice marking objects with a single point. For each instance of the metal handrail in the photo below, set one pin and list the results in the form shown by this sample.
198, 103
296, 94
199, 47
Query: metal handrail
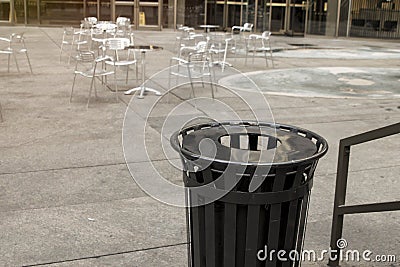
340, 209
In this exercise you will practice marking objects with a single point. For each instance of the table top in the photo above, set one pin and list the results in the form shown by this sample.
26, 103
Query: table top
144, 48
105, 26
209, 26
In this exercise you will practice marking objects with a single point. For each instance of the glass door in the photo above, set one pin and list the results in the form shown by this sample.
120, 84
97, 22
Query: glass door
318, 10
101, 9
144, 14
6, 11
234, 11
228, 13
277, 17
297, 17
262, 16
125, 9
215, 12
149, 14
287, 16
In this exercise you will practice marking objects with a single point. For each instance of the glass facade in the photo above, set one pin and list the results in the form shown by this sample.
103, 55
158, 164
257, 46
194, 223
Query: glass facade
5, 10
359, 18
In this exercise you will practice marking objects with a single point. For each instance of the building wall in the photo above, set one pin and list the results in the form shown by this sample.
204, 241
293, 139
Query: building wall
358, 18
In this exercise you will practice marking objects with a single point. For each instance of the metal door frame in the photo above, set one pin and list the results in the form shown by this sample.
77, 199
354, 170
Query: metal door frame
136, 4
286, 19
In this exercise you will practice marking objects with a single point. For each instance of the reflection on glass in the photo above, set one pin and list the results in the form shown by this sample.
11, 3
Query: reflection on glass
277, 18
125, 11
297, 16
233, 14
91, 9
149, 15
54, 12
168, 14
262, 23
317, 17
105, 10
215, 13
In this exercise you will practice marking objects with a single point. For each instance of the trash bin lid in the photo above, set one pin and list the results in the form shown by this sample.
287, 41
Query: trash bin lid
289, 145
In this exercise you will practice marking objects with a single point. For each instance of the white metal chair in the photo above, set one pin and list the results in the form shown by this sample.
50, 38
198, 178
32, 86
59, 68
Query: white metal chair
88, 23
187, 37
12, 46
89, 66
221, 47
121, 56
73, 39
1, 114
194, 63
247, 27
123, 29
260, 43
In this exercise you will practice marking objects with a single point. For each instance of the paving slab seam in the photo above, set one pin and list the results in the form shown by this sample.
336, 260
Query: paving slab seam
345, 120
363, 170
36, 139
64, 168
106, 255
51, 39
77, 204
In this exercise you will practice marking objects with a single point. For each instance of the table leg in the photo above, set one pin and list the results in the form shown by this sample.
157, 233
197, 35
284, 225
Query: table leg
142, 88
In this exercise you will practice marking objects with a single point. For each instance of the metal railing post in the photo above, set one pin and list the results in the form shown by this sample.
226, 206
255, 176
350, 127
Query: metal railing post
340, 199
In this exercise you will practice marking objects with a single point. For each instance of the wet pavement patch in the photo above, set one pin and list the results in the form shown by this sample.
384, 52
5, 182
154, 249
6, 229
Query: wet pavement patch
302, 45
334, 82
339, 53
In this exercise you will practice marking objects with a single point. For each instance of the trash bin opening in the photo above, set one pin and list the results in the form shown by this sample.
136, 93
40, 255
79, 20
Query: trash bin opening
254, 142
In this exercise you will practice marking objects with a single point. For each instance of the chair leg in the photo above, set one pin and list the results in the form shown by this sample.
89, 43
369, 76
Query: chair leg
127, 74
90, 91
61, 50
247, 53
272, 59
95, 90
1, 114
169, 83
72, 90
266, 59
8, 63
211, 79
191, 81
16, 62
29, 62
137, 73
116, 85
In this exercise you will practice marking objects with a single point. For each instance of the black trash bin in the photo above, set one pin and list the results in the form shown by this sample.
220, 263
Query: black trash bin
244, 227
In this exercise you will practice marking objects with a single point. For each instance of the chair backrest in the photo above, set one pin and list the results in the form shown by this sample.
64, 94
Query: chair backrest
117, 43
17, 37
92, 20
266, 34
85, 56
202, 46
123, 20
248, 27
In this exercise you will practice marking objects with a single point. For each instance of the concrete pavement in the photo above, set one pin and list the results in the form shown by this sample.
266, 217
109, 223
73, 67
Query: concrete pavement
67, 197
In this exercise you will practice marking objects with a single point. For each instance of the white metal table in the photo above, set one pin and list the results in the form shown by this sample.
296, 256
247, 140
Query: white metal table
142, 88
208, 28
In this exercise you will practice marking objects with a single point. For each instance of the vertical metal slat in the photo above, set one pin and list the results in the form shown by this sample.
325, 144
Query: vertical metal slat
275, 215
210, 234
292, 222
230, 235
253, 218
